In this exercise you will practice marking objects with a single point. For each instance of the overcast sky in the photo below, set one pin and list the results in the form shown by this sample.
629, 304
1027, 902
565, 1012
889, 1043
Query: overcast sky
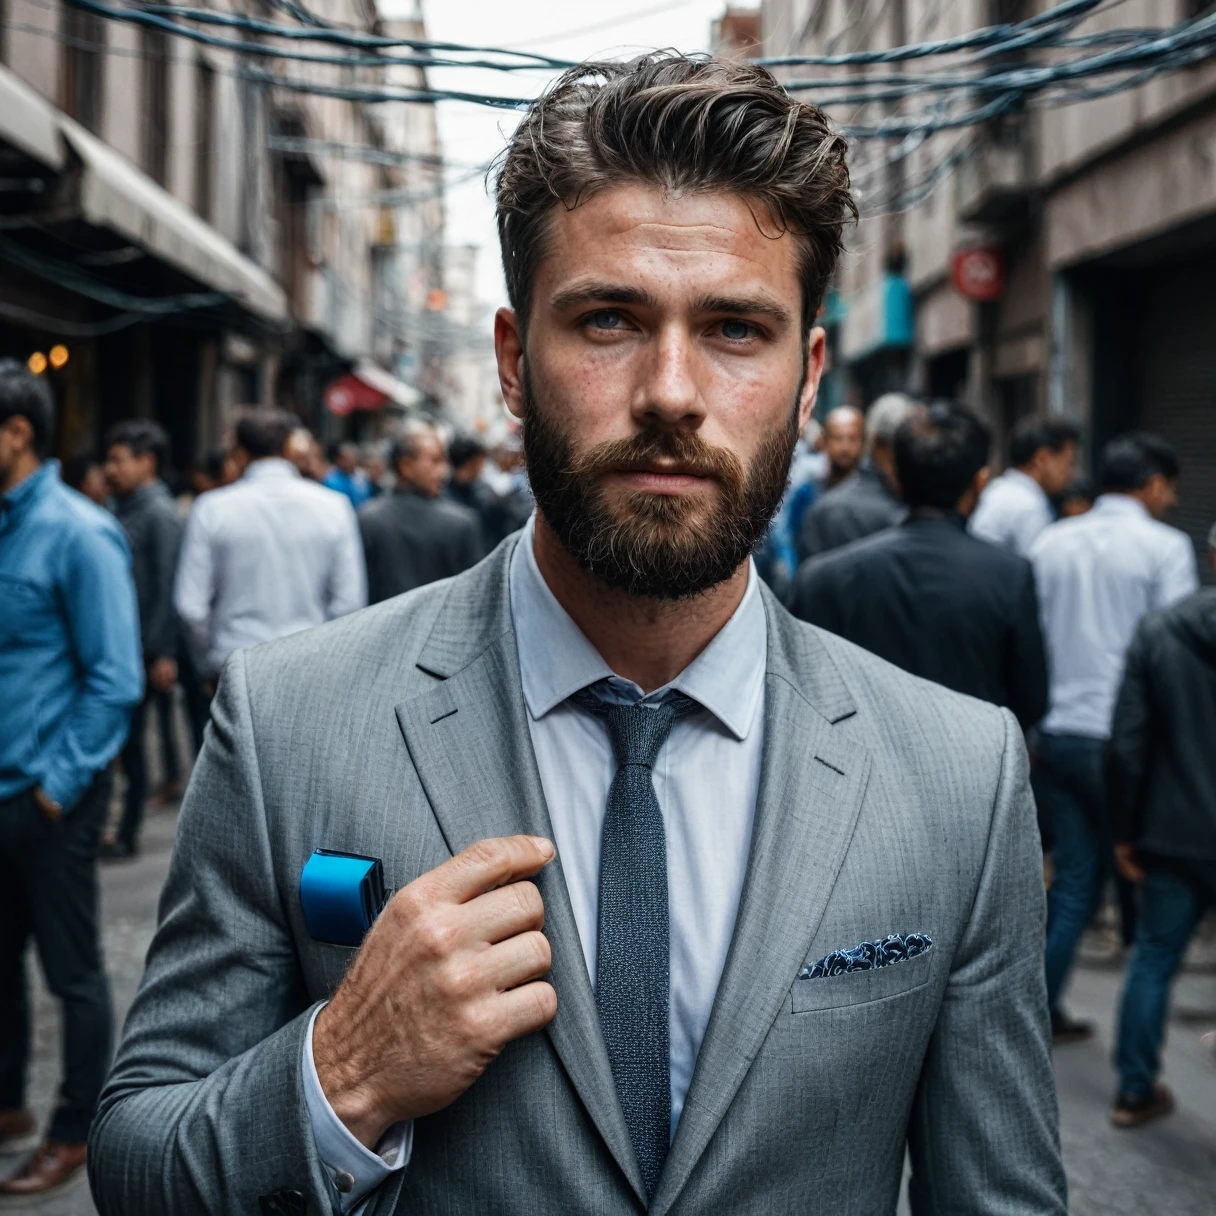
472, 135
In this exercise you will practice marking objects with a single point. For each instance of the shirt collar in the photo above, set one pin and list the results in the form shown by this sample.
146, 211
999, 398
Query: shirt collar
556, 659
269, 466
1121, 504
1024, 481
25, 492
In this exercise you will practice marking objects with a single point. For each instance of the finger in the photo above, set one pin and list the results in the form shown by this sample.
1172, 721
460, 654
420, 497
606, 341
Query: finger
517, 961
488, 864
505, 911
524, 1010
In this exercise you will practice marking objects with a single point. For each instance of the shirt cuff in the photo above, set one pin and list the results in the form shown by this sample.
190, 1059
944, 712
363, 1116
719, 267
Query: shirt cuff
354, 1169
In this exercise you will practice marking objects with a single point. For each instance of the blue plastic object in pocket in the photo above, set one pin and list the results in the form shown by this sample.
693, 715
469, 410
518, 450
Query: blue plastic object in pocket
340, 895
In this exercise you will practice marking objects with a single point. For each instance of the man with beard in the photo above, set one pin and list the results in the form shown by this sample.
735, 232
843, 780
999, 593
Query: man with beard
698, 909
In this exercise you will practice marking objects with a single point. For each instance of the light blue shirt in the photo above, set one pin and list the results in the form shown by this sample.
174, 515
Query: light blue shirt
706, 778
1097, 574
71, 669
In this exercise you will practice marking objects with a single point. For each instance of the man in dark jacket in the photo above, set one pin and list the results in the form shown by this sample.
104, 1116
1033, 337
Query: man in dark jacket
413, 536
1162, 787
867, 501
927, 596
136, 454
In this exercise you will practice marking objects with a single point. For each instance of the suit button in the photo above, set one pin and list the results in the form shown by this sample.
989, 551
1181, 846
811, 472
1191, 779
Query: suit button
344, 1181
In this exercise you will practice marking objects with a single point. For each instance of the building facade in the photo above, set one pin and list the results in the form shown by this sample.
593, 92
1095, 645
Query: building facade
1095, 222
191, 232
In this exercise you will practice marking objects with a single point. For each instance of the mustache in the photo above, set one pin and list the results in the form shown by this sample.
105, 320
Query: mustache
686, 449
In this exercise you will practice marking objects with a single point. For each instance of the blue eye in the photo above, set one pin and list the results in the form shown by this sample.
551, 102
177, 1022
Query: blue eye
736, 331
606, 318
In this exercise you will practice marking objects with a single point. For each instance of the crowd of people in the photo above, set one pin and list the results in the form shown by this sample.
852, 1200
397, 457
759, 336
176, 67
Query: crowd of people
1078, 611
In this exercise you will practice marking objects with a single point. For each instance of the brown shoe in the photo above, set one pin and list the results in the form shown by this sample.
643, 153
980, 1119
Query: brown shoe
18, 1131
1131, 1112
54, 1167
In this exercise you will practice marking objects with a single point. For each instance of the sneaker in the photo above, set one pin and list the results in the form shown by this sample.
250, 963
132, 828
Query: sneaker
54, 1167
18, 1131
1131, 1112
1068, 1030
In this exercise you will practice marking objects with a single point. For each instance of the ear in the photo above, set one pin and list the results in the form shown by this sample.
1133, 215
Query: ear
509, 352
816, 349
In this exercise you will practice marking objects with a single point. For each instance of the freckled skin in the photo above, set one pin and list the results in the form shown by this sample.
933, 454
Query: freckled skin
654, 310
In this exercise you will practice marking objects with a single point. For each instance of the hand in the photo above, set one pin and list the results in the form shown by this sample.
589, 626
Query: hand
448, 975
50, 808
162, 674
1128, 864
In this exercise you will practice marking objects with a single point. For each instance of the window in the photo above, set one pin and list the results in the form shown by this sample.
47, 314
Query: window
155, 47
204, 141
83, 56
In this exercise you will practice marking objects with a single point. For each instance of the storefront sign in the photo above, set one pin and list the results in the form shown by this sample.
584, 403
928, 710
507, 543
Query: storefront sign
979, 272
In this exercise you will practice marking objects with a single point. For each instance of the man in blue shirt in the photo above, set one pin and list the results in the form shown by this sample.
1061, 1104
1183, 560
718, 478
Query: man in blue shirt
345, 476
70, 674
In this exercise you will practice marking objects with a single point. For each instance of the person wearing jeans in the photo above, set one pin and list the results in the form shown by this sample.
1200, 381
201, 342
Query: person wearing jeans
1097, 575
1163, 806
70, 671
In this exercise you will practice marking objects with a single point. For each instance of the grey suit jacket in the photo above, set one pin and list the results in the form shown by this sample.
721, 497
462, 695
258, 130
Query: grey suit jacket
886, 805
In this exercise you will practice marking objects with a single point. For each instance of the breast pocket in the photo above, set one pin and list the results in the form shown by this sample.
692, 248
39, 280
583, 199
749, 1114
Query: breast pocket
23, 612
861, 987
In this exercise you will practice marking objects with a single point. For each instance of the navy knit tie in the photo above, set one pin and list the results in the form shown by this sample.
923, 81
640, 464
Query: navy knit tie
633, 968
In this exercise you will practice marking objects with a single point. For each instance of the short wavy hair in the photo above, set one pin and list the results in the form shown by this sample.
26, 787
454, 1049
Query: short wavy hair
682, 123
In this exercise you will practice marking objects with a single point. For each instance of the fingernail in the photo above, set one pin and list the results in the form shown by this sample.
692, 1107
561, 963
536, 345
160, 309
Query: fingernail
545, 846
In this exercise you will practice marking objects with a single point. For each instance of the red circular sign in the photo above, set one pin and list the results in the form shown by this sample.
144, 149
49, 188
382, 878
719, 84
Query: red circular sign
979, 273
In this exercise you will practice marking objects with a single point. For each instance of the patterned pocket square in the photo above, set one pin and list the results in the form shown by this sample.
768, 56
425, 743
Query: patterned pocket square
895, 948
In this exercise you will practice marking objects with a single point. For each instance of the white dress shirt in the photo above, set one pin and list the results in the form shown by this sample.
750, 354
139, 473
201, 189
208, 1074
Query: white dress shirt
706, 778
1012, 511
1097, 574
265, 557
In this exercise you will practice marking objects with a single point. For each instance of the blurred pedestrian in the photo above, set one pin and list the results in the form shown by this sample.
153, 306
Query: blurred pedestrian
1077, 499
414, 535
70, 672
508, 478
777, 560
212, 470
1016, 507
1162, 782
345, 475
136, 456
844, 443
1097, 575
925, 595
268, 555
375, 469
86, 475
468, 486
868, 500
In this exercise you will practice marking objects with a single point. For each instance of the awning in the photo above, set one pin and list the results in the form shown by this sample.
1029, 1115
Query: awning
28, 121
116, 195
368, 387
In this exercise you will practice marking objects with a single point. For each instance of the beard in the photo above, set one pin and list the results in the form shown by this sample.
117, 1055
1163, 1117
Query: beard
657, 546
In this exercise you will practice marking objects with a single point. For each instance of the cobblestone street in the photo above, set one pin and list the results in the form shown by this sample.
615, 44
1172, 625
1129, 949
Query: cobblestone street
1165, 1169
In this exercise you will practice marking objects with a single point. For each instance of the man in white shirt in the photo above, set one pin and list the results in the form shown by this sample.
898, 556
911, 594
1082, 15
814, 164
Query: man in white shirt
1016, 507
1097, 575
269, 555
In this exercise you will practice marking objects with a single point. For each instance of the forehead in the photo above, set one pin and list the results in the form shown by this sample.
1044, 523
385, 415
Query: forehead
675, 243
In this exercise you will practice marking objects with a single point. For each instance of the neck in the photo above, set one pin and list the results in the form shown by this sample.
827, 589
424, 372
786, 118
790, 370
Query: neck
648, 641
23, 466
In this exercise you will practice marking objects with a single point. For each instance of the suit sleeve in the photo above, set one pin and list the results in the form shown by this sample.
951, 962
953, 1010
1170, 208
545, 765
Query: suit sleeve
984, 1135
204, 1111
1130, 738
1027, 682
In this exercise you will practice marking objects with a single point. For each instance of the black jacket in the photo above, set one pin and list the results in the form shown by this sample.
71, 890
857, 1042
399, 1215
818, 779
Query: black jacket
410, 540
1162, 757
153, 526
859, 506
939, 603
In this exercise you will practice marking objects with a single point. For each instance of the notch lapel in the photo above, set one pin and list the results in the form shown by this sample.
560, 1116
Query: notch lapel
811, 787
469, 741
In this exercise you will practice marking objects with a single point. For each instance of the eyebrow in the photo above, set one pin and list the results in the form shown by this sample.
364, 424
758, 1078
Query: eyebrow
620, 293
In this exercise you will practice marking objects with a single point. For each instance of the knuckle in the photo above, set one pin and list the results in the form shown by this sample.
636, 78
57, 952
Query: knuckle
435, 936
484, 852
542, 953
528, 899
544, 1000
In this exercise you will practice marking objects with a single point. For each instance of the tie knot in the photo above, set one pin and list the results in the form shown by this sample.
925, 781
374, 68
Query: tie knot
637, 732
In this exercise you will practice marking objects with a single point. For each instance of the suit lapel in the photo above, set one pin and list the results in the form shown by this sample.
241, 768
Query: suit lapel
469, 741
811, 787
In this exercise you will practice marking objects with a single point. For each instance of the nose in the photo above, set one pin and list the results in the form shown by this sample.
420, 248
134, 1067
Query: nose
669, 395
